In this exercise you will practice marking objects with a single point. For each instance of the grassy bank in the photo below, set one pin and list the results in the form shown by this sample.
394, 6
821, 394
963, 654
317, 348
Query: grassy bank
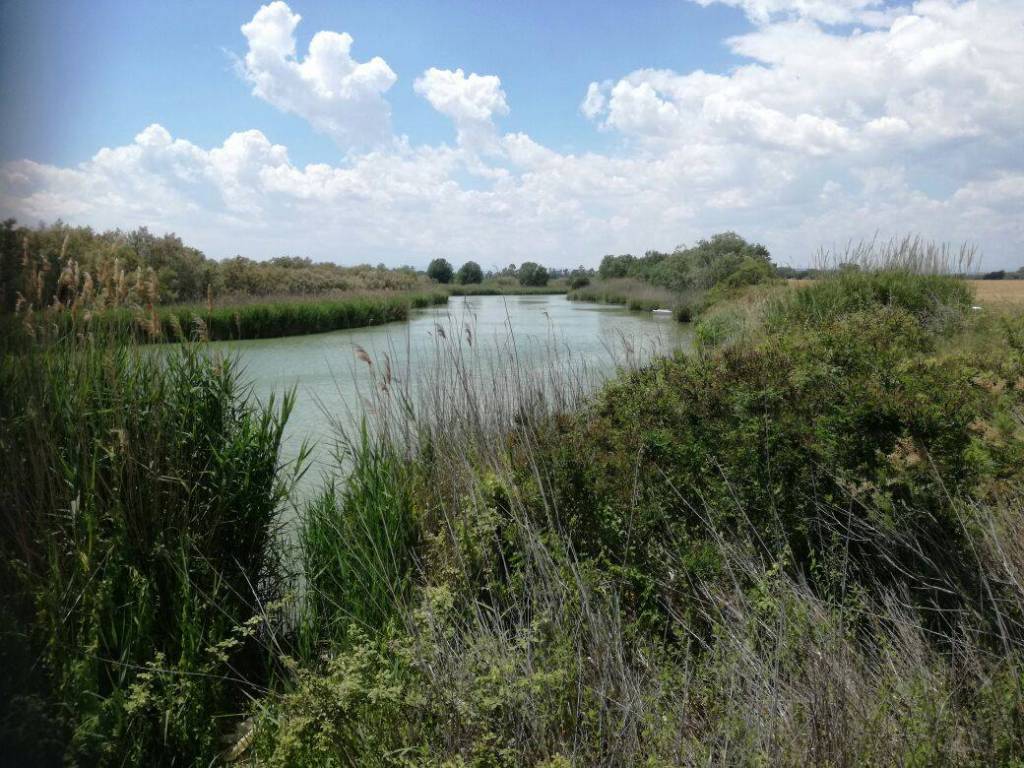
799, 545
636, 295
786, 549
507, 287
261, 318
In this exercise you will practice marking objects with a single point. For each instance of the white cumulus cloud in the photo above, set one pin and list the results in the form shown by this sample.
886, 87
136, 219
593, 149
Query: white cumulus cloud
339, 96
470, 101
823, 134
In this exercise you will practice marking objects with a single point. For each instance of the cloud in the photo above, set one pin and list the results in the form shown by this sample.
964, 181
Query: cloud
339, 96
948, 72
868, 12
471, 102
820, 136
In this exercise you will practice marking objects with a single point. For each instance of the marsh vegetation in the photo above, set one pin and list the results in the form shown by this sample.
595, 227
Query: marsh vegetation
798, 543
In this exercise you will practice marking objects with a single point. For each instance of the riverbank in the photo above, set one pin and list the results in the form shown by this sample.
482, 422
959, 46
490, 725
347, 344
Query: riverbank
813, 519
508, 287
261, 318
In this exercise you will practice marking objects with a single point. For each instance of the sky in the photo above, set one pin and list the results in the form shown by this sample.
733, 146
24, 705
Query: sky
503, 132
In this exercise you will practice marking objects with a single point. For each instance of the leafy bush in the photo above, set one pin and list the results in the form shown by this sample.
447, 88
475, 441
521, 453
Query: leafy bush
440, 271
469, 273
578, 279
531, 274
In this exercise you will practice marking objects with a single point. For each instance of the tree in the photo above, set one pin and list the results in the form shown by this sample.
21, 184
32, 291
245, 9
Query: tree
579, 278
469, 272
440, 270
531, 274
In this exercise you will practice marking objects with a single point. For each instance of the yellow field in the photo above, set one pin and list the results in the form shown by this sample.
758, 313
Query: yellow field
999, 291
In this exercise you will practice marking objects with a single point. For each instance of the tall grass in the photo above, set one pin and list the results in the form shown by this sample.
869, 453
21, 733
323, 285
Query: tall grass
637, 295
139, 503
261, 319
356, 543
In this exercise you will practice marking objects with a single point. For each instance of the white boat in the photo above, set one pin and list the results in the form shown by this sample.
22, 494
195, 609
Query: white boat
662, 311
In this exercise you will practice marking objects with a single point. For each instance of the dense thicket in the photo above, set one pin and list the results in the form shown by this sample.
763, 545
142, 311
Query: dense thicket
684, 281
139, 505
181, 273
724, 258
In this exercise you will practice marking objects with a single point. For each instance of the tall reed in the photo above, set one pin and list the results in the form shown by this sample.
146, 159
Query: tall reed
139, 503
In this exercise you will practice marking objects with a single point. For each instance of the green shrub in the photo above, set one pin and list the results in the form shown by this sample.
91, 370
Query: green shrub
140, 496
937, 301
440, 270
469, 273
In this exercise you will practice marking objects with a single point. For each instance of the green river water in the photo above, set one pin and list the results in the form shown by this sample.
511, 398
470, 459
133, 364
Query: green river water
537, 335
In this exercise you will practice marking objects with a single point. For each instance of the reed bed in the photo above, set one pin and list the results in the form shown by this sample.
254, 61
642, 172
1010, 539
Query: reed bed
510, 288
140, 503
261, 319
636, 295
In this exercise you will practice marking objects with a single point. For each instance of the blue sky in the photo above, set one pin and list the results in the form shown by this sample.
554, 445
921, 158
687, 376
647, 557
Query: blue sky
81, 75
398, 132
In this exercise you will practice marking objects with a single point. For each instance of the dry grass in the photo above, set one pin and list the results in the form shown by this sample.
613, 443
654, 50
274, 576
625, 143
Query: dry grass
1008, 293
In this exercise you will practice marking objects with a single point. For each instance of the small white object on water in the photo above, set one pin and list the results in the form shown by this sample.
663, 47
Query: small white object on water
662, 311
975, 307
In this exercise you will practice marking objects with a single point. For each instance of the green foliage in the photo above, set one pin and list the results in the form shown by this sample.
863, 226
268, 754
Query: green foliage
687, 281
579, 278
139, 499
532, 274
182, 273
800, 544
725, 258
440, 271
469, 273
506, 286
256, 319
358, 545
937, 301
851, 411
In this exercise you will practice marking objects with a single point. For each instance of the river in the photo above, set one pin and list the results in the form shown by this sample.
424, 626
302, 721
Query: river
538, 335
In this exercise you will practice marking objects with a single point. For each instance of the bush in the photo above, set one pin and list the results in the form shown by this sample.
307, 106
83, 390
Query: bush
440, 271
937, 301
578, 279
470, 273
531, 274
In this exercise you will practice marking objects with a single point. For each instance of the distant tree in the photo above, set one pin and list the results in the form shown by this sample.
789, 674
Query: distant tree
531, 274
999, 274
616, 266
579, 278
469, 272
440, 270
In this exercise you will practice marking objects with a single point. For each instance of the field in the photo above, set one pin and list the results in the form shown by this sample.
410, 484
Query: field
999, 292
